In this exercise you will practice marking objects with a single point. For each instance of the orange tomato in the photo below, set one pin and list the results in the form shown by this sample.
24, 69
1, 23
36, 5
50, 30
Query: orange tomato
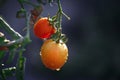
43, 28
54, 55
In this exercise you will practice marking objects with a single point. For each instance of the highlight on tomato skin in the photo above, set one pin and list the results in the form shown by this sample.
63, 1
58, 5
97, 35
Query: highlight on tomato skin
43, 28
53, 55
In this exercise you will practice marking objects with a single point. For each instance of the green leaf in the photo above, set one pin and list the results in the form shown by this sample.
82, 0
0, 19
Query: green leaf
54, 18
55, 36
8, 29
2, 38
2, 75
63, 38
21, 1
2, 54
21, 13
8, 71
1, 41
11, 56
20, 68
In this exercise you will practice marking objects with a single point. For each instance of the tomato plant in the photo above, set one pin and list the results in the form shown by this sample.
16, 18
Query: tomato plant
54, 55
43, 28
54, 52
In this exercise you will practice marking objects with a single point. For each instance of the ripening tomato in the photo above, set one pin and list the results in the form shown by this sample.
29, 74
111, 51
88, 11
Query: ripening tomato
43, 28
54, 55
3, 48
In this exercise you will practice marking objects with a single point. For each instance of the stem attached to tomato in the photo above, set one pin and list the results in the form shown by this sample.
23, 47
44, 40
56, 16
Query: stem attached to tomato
59, 28
59, 15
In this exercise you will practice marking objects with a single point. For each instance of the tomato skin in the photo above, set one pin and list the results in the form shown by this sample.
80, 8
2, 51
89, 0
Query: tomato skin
54, 55
3, 48
43, 28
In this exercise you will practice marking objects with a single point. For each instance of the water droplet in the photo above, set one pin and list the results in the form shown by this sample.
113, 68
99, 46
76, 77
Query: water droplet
65, 61
40, 54
14, 67
58, 69
19, 45
2, 64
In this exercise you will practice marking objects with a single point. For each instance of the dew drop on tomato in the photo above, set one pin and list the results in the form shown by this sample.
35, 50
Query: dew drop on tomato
58, 69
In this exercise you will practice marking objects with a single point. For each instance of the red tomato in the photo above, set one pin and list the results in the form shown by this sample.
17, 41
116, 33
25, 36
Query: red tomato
43, 28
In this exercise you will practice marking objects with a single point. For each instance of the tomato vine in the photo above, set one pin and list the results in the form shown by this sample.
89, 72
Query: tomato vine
18, 42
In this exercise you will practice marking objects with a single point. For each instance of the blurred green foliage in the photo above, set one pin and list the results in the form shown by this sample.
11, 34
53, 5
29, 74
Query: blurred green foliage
2, 2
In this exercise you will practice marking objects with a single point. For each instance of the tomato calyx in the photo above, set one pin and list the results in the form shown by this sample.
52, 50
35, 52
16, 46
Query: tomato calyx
58, 35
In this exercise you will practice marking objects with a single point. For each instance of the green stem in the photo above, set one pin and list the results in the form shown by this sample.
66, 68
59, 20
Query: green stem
18, 41
11, 56
11, 31
66, 16
21, 3
27, 17
59, 6
60, 10
59, 15
20, 67
27, 36
2, 75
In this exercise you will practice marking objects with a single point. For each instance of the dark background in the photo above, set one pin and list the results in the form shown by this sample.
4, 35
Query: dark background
94, 40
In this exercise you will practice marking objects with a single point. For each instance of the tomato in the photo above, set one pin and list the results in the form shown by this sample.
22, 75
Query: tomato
43, 28
3, 48
54, 55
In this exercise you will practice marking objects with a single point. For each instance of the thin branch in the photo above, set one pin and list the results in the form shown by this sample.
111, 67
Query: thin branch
28, 25
11, 31
18, 41
66, 15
